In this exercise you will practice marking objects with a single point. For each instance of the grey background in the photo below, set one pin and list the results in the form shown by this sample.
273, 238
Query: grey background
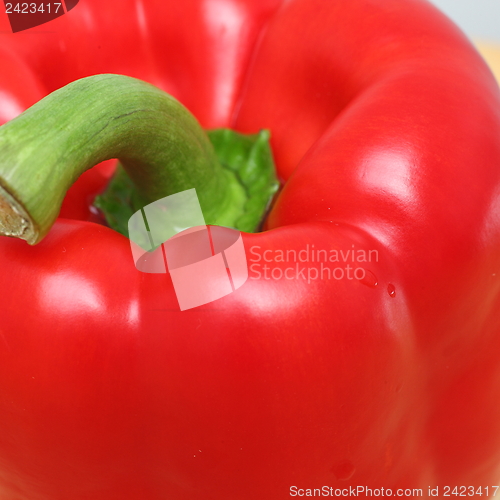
480, 19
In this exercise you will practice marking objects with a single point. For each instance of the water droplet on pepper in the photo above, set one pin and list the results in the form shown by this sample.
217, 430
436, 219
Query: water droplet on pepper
344, 470
369, 279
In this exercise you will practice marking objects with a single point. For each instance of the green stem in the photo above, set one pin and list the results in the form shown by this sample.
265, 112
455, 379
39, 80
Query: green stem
160, 144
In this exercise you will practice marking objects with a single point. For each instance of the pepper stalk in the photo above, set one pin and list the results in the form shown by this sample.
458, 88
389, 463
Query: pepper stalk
161, 146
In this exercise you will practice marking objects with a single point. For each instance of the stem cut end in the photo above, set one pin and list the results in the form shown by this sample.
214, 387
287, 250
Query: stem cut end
14, 220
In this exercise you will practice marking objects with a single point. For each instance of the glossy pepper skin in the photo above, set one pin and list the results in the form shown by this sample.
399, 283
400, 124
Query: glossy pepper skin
386, 132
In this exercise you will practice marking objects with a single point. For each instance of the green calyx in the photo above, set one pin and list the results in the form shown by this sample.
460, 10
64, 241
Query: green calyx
162, 151
247, 162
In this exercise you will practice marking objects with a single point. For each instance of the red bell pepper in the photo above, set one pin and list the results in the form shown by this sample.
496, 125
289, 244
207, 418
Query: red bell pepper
385, 129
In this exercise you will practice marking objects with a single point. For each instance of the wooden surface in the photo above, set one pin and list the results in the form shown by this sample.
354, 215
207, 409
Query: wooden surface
491, 53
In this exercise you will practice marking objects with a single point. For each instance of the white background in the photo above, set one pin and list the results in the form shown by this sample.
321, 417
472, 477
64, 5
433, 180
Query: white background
480, 19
